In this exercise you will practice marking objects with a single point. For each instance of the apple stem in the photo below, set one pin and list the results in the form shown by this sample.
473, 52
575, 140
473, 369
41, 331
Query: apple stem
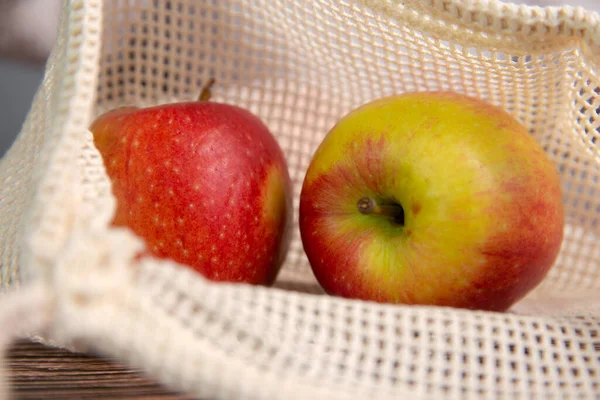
368, 206
206, 94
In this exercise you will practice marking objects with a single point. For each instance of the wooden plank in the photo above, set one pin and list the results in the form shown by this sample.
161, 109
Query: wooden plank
40, 372
37, 371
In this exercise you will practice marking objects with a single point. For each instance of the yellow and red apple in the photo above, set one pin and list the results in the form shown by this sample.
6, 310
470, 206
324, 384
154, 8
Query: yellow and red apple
431, 198
203, 183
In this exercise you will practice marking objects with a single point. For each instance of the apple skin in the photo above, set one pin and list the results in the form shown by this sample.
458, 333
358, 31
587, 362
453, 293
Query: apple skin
483, 212
203, 183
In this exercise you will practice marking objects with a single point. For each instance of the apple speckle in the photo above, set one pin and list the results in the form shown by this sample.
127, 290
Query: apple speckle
213, 248
156, 219
238, 234
180, 221
113, 162
136, 143
179, 243
221, 235
214, 259
171, 192
185, 252
416, 208
170, 121
151, 186
200, 256
155, 248
149, 170
176, 170
161, 244
123, 140
228, 216
140, 199
191, 206
196, 188
156, 205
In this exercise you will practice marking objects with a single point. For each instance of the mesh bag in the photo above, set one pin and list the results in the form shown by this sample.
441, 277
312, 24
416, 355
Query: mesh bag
70, 279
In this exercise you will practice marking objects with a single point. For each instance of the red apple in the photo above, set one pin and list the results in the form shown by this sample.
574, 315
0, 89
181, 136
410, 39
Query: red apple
203, 183
431, 198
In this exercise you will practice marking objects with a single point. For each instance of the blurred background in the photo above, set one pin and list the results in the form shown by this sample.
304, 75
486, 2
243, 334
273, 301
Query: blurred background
28, 31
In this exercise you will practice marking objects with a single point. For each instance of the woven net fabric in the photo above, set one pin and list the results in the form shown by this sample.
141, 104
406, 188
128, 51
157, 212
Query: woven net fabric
300, 66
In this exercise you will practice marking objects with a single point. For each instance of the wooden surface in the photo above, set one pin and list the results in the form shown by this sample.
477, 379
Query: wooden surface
40, 372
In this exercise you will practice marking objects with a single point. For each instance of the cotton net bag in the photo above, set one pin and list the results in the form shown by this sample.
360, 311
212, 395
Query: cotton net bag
68, 278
